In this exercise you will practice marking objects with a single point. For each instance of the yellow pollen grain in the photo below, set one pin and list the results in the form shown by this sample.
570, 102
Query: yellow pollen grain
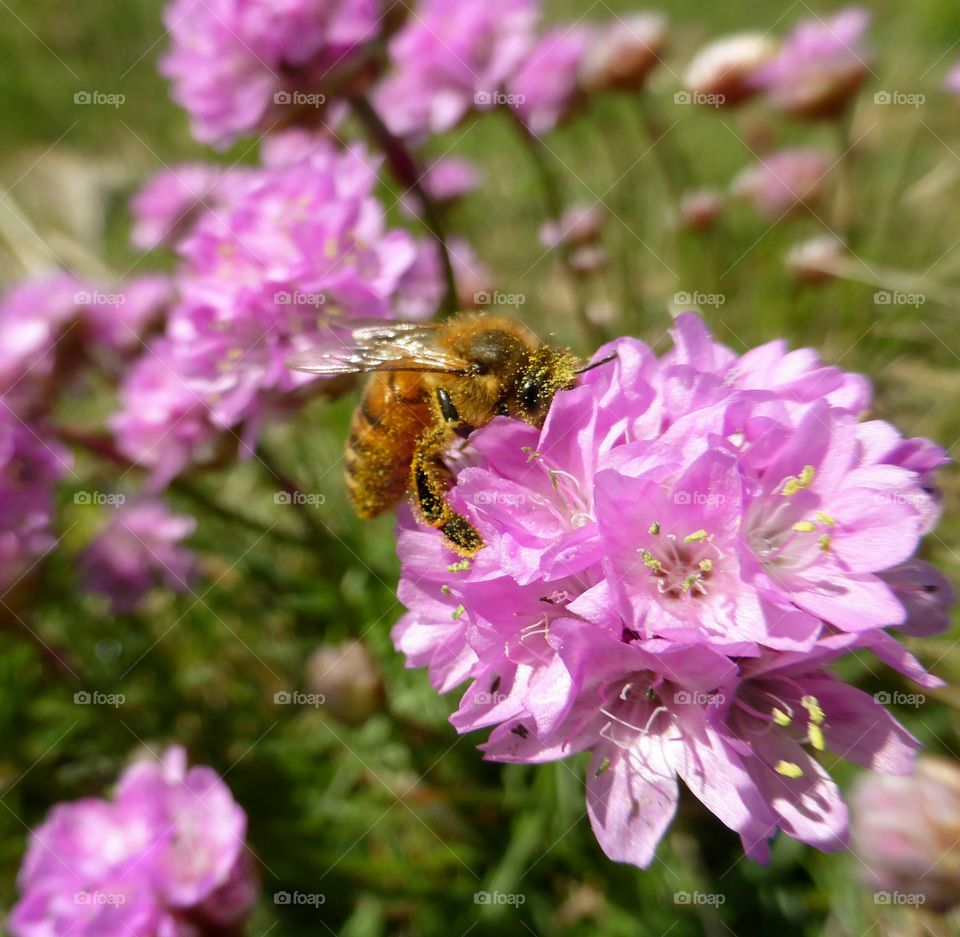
789, 769
698, 536
781, 718
460, 567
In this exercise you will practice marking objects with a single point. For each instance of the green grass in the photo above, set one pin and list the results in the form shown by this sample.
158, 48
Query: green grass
399, 823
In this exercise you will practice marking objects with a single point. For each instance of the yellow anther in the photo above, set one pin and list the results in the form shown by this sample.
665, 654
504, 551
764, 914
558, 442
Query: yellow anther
804, 527
458, 613
706, 565
795, 483
781, 718
825, 542
815, 734
651, 561
789, 769
826, 519
460, 567
698, 536
812, 705
654, 530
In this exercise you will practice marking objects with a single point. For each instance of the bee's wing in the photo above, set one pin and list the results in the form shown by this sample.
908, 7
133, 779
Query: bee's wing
379, 346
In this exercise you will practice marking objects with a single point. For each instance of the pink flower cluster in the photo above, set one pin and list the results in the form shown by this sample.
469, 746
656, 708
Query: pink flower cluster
53, 331
458, 57
671, 564
164, 858
240, 66
137, 549
285, 253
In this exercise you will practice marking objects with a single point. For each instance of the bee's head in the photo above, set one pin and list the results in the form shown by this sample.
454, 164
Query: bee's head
548, 370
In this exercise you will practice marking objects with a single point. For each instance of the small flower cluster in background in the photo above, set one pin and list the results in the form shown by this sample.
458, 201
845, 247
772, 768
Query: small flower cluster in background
166, 855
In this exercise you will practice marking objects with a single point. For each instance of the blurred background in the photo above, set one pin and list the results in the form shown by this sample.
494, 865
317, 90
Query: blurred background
373, 800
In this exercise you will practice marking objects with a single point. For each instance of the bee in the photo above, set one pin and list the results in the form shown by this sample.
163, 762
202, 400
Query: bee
430, 385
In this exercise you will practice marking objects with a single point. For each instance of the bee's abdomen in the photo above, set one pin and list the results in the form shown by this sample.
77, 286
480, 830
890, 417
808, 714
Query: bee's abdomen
393, 412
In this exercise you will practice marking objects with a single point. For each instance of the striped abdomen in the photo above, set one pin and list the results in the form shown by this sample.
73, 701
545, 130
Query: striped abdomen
393, 413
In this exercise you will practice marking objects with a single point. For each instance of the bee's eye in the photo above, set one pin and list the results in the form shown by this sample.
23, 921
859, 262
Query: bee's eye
529, 394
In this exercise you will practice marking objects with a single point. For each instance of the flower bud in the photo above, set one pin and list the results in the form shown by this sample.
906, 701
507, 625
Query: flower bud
905, 832
622, 53
725, 69
346, 675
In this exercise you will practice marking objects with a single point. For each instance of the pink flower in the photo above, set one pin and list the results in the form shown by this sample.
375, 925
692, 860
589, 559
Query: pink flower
544, 88
785, 183
37, 318
453, 57
165, 208
905, 833
30, 466
670, 565
239, 66
952, 82
821, 65
164, 854
138, 549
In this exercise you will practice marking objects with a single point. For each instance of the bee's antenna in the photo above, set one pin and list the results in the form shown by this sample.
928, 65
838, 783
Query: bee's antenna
596, 364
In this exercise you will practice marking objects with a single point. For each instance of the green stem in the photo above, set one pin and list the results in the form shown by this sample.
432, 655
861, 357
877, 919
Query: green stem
404, 167
553, 199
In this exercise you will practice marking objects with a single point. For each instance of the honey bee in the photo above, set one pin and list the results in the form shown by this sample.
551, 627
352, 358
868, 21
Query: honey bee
431, 384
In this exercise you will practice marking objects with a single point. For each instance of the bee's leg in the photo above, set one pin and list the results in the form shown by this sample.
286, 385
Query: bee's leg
450, 415
430, 481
